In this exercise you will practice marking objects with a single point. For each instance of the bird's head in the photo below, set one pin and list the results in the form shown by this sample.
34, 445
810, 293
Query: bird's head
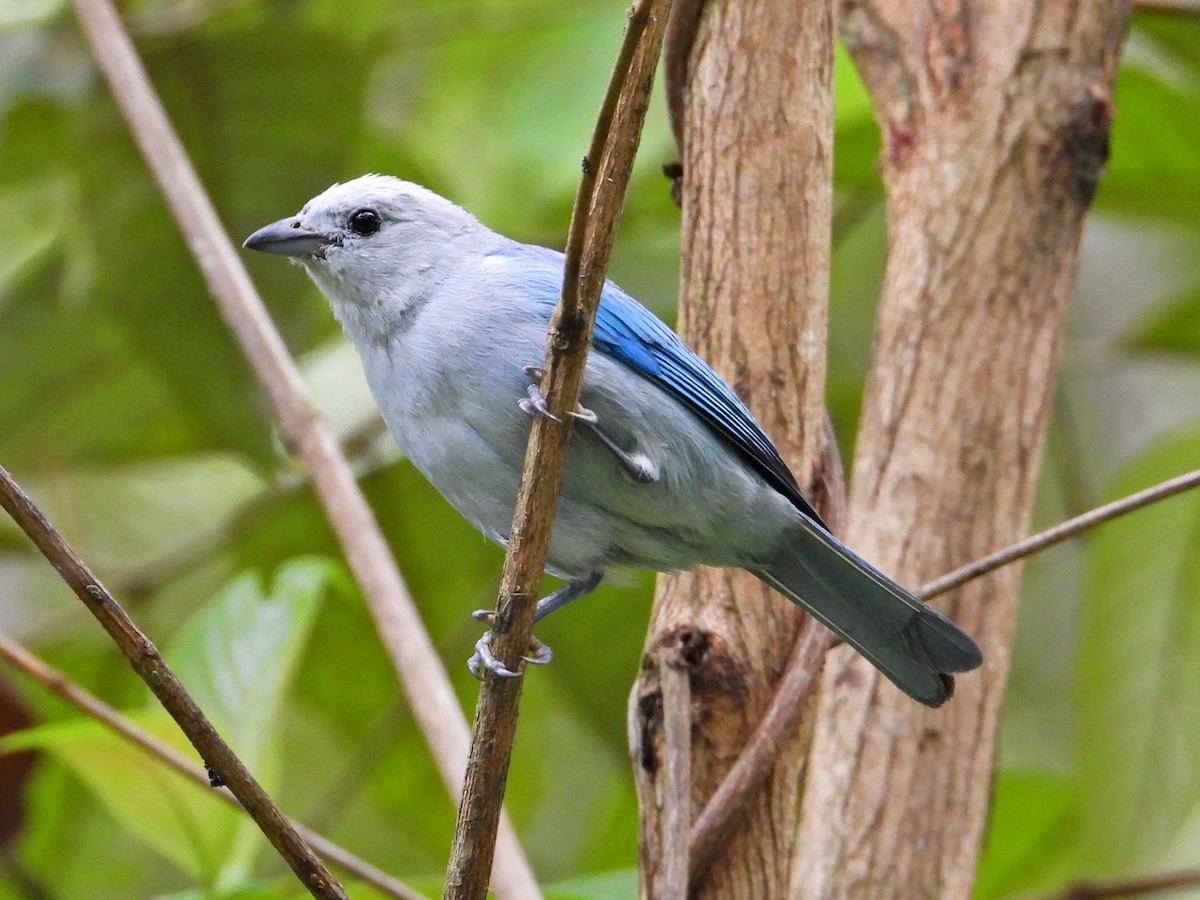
373, 243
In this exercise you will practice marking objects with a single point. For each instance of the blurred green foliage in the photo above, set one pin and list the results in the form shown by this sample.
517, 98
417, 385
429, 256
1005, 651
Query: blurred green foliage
127, 410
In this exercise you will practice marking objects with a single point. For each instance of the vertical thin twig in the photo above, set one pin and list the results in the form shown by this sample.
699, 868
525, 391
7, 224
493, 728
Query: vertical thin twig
597, 208
421, 672
58, 683
145, 659
677, 742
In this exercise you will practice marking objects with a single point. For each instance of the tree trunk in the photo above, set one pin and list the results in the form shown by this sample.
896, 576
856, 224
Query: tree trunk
756, 141
995, 120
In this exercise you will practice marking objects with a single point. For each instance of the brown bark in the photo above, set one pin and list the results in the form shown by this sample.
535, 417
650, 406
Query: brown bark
995, 122
756, 200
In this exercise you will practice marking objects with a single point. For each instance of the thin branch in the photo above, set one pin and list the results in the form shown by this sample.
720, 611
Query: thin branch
1059, 533
58, 683
598, 205
1126, 887
421, 672
145, 659
677, 796
1189, 8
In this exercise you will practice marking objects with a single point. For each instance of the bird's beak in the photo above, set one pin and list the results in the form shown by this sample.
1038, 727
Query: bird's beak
287, 237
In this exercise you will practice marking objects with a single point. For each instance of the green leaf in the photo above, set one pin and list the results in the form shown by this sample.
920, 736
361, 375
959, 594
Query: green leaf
237, 656
1154, 170
139, 515
1138, 675
1174, 326
24, 13
852, 103
1030, 826
856, 162
178, 818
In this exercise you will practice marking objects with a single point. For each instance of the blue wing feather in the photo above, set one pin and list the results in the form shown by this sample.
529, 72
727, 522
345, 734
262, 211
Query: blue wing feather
627, 331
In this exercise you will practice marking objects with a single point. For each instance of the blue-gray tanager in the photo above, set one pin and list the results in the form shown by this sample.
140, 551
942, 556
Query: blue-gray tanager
667, 468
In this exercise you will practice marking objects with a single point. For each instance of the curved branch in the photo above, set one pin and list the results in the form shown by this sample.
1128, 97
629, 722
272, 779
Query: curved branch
58, 683
598, 203
145, 659
422, 675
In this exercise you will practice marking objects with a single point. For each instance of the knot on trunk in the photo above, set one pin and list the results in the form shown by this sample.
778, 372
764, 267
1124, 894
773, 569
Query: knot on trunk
716, 683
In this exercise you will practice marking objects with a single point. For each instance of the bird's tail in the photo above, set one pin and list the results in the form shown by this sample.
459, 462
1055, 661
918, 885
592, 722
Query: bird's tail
912, 644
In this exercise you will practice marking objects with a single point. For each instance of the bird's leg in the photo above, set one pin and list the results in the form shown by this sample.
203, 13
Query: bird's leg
639, 466
539, 654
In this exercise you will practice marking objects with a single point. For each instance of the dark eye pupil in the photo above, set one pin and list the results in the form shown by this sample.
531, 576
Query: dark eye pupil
365, 222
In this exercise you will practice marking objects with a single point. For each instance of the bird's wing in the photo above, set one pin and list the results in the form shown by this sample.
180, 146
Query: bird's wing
629, 333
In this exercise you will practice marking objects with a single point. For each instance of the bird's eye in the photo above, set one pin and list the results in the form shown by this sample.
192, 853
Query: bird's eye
365, 222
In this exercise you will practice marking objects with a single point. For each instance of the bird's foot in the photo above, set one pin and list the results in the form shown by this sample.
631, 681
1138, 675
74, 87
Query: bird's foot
639, 466
538, 653
534, 404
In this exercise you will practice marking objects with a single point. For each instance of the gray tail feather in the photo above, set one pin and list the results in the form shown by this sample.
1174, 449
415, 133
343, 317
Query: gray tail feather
912, 644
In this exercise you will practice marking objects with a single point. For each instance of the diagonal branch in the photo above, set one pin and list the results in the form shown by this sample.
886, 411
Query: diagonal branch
58, 683
598, 203
1187, 8
421, 672
1137, 886
144, 657
1057, 534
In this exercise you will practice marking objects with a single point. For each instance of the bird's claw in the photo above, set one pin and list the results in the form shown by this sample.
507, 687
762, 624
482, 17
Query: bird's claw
483, 658
539, 654
586, 416
535, 405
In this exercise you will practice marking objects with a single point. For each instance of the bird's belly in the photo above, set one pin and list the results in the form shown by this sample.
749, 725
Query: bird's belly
604, 517
704, 509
